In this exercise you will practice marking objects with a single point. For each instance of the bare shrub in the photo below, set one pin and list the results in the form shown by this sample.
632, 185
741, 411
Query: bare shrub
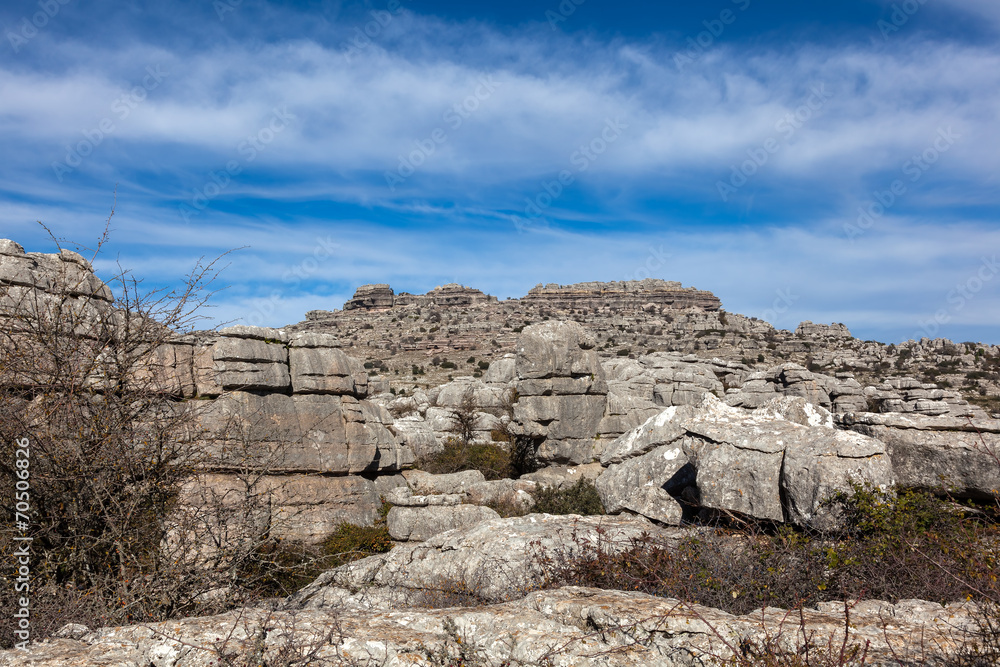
91, 386
94, 380
913, 545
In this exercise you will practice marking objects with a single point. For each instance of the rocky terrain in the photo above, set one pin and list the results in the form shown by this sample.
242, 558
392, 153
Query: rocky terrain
454, 331
678, 411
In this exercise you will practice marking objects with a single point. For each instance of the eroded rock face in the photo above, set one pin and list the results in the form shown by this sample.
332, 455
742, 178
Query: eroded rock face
302, 434
562, 391
248, 364
65, 273
628, 295
640, 388
424, 483
382, 297
744, 462
213, 507
371, 297
316, 366
566, 627
809, 330
957, 454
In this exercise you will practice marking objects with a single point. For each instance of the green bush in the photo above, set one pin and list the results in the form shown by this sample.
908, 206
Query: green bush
493, 460
581, 498
350, 542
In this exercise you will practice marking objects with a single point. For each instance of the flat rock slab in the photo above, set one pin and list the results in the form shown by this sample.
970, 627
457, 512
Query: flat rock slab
425, 483
493, 561
417, 524
571, 626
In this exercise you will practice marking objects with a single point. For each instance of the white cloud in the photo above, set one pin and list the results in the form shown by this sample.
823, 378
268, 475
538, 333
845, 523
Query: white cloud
448, 222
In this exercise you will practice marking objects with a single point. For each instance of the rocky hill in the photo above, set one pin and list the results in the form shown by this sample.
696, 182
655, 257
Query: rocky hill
454, 331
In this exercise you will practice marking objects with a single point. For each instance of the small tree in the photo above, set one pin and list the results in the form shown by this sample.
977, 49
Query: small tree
465, 417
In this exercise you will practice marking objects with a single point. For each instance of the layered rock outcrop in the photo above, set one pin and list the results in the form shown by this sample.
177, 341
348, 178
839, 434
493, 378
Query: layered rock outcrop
561, 391
382, 297
960, 455
289, 412
294, 409
640, 388
809, 330
627, 295
372, 297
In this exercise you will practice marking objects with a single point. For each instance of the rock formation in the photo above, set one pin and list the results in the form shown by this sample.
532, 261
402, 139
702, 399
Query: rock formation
648, 294
779, 462
382, 297
962, 455
371, 297
561, 391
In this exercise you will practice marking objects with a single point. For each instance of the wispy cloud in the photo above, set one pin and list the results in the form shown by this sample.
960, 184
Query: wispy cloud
355, 119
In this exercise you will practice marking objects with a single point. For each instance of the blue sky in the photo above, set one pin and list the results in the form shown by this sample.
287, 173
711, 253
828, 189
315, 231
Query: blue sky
822, 161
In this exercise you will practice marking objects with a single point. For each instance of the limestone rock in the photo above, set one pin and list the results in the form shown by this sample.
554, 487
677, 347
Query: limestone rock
496, 559
824, 461
809, 330
371, 297
567, 423
322, 370
249, 363
453, 394
425, 483
500, 491
563, 477
58, 274
403, 497
558, 350
570, 626
501, 371
451, 295
933, 452
631, 294
744, 462
8, 247
214, 508
642, 484
311, 433
418, 524
384, 484
416, 433
661, 429
265, 334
